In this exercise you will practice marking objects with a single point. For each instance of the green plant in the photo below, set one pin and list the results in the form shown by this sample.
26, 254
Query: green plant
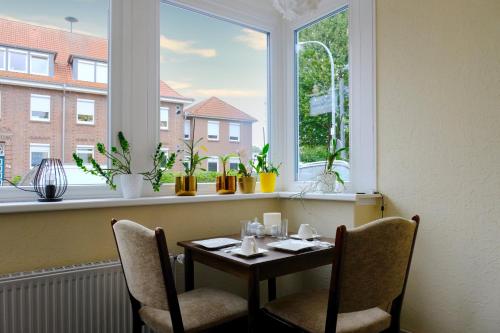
333, 155
224, 159
263, 165
16, 180
194, 161
243, 171
120, 159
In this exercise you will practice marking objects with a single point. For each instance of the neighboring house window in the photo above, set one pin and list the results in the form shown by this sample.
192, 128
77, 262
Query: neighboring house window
213, 164
18, 61
234, 132
85, 152
164, 118
91, 71
39, 64
85, 111
40, 108
164, 161
213, 130
38, 151
233, 163
178, 109
187, 129
2, 59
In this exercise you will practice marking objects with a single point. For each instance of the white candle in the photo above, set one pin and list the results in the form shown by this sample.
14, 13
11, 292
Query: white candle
271, 219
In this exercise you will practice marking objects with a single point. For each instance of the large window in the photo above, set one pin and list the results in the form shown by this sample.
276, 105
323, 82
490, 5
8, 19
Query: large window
18, 61
39, 63
85, 111
40, 108
221, 68
322, 63
90, 71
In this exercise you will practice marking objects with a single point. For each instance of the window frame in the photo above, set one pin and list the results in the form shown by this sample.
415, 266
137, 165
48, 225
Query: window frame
38, 145
40, 55
79, 147
213, 159
167, 110
213, 122
4, 50
101, 64
26, 62
37, 119
187, 121
86, 62
234, 160
85, 100
239, 131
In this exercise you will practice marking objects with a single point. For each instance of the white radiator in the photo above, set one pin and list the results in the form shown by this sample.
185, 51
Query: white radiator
89, 298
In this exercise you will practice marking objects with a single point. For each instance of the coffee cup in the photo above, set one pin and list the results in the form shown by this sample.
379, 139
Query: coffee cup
249, 245
306, 231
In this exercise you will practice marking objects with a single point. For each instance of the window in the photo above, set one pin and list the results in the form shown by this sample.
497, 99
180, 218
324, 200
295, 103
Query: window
213, 130
2, 59
187, 129
18, 61
101, 72
85, 152
38, 151
164, 161
234, 132
39, 63
213, 164
85, 70
178, 109
40, 108
164, 118
233, 163
323, 95
85, 110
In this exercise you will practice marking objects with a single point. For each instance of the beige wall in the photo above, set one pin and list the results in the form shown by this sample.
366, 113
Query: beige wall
438, 92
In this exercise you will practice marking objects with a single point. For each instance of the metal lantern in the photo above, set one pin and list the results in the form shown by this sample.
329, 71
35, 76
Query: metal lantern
50, 180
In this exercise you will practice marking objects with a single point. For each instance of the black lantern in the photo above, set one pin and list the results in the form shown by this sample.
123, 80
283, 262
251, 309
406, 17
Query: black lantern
50, 180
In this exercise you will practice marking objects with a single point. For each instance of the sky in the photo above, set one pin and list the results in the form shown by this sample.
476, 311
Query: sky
200, 56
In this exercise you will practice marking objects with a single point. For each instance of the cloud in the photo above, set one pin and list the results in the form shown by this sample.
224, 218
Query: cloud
185, 47
178, 84
229, 92
253, 39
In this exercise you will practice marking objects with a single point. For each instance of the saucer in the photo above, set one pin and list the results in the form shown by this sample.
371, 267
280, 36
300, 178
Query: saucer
296, 236
239, 252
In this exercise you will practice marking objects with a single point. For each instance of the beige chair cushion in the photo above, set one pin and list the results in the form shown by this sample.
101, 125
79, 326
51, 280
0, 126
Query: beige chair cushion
200, 308
308, 311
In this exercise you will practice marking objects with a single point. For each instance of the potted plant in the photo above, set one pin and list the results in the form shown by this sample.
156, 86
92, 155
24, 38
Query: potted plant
266, 170
246, 181
120, 159
226, 182
327, 181
187, 185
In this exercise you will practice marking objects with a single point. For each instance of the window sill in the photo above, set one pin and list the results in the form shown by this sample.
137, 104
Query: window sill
36, 206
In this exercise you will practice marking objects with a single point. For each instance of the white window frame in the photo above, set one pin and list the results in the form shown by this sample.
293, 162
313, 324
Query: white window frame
188, 122
40, 55
31, 108
43, 148
86, 62
83, 147
89, 101
213, 159
216, 123
104, 65
233, 160
239, 132
4, 50
363, 163
25, 60
167, 110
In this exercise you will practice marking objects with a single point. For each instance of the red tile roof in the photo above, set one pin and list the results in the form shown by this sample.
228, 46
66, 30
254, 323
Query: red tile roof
64, 44
217, 108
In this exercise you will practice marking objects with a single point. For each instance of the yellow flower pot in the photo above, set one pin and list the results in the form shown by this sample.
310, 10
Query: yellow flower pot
267, 182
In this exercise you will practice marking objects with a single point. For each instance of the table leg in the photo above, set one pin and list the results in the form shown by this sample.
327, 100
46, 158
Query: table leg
253, 301
188, 270
271, 289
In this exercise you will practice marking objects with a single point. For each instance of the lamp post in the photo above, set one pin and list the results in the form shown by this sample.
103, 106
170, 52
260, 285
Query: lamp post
332, 72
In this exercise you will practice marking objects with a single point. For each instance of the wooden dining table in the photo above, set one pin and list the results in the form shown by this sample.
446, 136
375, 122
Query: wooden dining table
268, 267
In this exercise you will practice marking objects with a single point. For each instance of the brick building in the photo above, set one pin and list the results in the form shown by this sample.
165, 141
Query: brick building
53, 101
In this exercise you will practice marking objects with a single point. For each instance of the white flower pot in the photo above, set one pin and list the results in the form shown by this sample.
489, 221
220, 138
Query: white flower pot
327, 182
131, 186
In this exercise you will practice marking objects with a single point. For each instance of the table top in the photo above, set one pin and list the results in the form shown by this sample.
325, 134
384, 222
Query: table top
272, 257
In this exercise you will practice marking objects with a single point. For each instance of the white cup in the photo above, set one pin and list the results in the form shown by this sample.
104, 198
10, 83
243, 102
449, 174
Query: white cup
306, 231
249, 245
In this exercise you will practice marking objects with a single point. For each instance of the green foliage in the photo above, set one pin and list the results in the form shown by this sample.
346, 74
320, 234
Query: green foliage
16, 180
191, 149
224, 159
334, 154
312, 154
263, 165
120, 159
202, 177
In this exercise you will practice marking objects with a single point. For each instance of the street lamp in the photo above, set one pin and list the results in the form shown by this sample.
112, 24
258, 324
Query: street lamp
332, 72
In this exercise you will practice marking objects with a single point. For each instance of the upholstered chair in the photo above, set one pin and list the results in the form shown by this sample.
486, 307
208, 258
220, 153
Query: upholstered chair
367, 286
150, 282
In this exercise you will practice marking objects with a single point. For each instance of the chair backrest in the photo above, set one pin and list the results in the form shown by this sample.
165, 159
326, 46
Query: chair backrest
373, 263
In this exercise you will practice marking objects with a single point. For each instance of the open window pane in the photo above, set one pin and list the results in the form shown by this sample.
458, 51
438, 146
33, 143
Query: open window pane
40, 107
18, 61
85, 110
323, 96
39, 64
216, 72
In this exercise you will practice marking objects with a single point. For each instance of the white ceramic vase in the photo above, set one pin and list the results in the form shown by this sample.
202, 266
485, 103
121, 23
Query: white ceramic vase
131, 186
327, 183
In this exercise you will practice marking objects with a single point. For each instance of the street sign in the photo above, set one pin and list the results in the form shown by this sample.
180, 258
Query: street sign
2, 172
320, 104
